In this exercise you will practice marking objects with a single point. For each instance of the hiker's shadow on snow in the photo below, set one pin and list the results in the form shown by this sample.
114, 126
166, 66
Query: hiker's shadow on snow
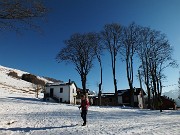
28, 129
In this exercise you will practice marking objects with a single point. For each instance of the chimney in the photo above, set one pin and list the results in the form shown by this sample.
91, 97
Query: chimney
69, 81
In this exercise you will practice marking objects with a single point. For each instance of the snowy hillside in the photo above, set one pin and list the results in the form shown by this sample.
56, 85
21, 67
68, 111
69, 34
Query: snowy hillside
174, 95
14, 84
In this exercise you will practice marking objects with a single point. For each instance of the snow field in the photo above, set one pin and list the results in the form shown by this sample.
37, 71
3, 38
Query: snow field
22, 114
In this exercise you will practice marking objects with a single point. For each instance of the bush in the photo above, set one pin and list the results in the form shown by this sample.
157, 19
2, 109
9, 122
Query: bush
13, 74
52, 79
33, 79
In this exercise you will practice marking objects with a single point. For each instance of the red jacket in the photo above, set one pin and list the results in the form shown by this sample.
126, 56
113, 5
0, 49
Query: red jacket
84, 104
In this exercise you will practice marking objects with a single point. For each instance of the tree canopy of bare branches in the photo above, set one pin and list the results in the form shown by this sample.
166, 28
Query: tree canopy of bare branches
155, 54
130, 41
111, 35
151, 47
80, 50
21, 14
99, 51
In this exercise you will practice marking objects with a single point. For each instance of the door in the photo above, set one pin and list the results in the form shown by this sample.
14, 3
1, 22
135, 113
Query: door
51, 92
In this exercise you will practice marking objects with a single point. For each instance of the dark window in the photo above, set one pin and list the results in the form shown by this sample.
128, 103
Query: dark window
51, 92
61, 90
60, 100
110, 99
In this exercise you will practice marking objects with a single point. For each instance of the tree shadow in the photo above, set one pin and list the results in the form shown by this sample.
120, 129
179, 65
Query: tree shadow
28, 129
25, 99
29, 100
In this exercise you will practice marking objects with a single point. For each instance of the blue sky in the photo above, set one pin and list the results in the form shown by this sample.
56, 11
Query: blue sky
35, 53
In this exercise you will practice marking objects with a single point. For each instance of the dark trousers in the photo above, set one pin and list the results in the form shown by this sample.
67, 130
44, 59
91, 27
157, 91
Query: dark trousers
83, 115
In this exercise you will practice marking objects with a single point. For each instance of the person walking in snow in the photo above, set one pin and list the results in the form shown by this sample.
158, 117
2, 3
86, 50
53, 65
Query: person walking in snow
84, 108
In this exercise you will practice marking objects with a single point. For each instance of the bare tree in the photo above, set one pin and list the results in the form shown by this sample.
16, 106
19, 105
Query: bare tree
130, 41
80, 50
37, 89
98, 50
21, 14
111, 37
143, 53
156, 55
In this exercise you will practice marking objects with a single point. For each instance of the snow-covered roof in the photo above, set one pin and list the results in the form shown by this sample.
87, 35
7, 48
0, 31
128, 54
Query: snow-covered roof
136, 91
60, 84
121, 92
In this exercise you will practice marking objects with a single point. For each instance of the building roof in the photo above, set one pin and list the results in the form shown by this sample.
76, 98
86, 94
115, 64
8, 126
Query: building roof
121, 92
136, 91
60, 84
107, 94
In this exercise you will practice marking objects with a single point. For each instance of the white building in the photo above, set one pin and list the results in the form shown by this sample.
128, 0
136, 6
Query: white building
62, 92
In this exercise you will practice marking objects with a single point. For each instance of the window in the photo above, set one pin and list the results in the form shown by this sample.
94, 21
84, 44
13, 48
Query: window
51, 92
61, 90
60, 100
73, 90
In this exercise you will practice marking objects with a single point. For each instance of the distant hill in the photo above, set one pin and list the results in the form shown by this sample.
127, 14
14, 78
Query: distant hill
21, 81
174, 95
52, 79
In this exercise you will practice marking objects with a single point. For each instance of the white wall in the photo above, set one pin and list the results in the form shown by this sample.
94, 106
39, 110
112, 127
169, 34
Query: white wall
73, 94
120, 100
67, 95
135, 98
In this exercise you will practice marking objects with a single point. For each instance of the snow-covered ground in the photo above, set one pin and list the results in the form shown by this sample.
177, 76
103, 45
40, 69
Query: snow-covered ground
22, 114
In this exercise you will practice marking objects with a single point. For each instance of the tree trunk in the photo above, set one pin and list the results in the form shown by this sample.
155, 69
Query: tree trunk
100, 87
129, 72
83, 80
115, 87
100, 84
99, 95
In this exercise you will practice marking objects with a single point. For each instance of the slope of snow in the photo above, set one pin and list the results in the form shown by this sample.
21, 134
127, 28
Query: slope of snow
14, 83
19, 72
22, 114
7, 70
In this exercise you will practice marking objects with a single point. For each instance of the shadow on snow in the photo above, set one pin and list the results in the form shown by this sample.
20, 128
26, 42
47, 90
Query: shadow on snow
28, 129
25, 99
